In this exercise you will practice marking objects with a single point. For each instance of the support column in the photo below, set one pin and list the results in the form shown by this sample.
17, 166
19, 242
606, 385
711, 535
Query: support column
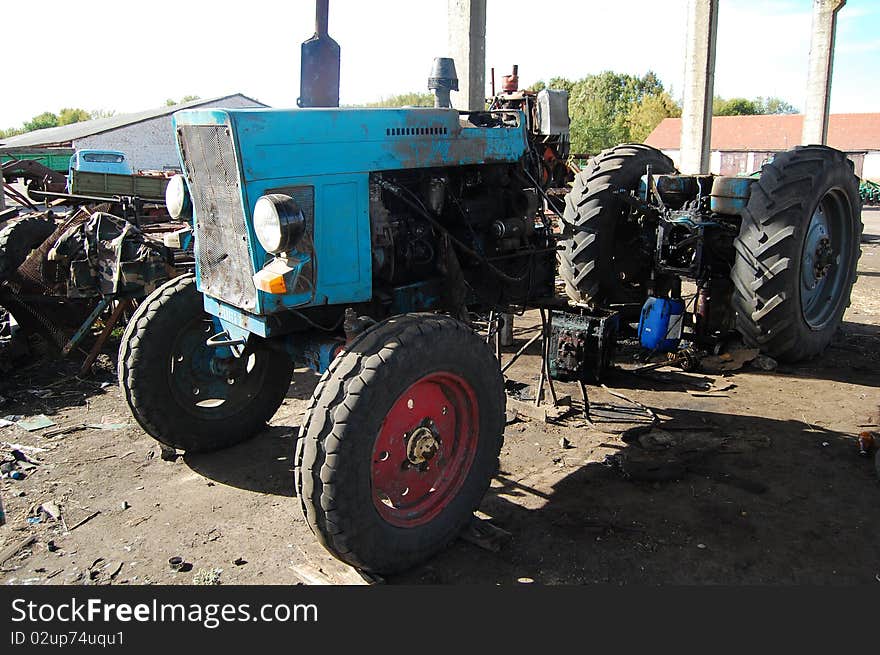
699, 86
467, 46
818, 100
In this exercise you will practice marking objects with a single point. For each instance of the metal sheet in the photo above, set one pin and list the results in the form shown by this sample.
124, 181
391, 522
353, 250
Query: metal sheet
225, 266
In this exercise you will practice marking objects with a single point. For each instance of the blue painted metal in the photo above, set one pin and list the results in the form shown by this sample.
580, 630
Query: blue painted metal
660, 324
83, 329
236, 320
417, 297
94, 161
680, 185
334, 151
313, 351
730, 195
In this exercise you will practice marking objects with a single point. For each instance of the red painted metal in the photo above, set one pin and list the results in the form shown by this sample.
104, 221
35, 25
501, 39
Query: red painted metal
510, 83
407, 494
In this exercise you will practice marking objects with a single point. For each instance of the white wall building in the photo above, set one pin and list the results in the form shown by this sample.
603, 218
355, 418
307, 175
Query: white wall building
146, 137
740, 144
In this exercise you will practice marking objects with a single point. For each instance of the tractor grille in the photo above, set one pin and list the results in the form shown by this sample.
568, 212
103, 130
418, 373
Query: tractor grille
224, 261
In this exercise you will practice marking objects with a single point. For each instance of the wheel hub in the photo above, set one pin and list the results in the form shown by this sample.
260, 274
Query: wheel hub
424, 449
824, 257
826, 249
210, 386
422, 444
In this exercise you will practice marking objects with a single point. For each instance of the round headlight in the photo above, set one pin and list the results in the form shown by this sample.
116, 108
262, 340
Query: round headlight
278, 222
177, 199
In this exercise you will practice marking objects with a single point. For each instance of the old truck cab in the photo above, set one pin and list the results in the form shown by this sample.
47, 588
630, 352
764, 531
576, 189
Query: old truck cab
99, 161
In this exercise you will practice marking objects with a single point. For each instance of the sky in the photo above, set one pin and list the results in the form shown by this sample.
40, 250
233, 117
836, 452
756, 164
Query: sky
129, 56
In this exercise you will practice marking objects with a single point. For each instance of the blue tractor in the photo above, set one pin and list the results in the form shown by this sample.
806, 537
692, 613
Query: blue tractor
359, 242
356, 242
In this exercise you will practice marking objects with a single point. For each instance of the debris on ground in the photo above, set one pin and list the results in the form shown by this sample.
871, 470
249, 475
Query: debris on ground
51, 509
34, 423
713, 390
8, 552
764, 363
84, 521
485, 534
20, 464
207, 577
168, 454
732, 360
667, 453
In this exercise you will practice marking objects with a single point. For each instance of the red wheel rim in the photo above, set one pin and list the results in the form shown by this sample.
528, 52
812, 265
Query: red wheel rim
424, 450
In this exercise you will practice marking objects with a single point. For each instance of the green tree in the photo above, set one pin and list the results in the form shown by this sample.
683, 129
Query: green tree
646, 114
41, 121
170, 102
746, 107
610, 108
12, 131
601, 105
774, 105
412, 99
734, 107
67, 116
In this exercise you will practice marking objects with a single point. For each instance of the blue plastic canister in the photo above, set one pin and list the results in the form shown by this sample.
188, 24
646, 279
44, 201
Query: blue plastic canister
660, 324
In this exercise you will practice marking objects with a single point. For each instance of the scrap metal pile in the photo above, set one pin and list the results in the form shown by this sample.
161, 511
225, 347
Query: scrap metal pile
64, 271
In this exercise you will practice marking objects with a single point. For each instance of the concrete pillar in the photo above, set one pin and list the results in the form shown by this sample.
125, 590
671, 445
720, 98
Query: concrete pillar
819, 75
699, 86
467, 46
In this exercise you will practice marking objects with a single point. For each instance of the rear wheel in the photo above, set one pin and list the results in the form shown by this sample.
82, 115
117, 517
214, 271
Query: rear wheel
797, 252
400, 441
179, 391
603, 260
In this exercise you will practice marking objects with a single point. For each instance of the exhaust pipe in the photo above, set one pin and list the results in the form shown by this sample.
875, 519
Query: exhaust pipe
319, 64
443, 79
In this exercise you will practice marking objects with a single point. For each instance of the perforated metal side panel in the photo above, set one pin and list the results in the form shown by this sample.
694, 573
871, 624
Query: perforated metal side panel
224, 260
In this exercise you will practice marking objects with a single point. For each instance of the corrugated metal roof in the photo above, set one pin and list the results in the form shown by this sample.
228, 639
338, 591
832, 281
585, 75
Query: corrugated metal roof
774, 132
65, 134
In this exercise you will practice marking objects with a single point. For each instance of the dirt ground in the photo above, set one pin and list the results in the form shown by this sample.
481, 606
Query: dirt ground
759, 482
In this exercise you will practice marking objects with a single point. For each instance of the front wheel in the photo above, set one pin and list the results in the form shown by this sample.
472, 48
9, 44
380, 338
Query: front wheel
177, 388
400, 441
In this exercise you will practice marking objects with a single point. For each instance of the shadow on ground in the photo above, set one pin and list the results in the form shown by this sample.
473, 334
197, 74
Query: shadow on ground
265, 463
731, 512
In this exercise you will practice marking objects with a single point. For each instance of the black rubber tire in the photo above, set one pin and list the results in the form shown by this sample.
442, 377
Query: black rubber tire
592, 212
19, 238
144, 376
343, 420
767, 268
